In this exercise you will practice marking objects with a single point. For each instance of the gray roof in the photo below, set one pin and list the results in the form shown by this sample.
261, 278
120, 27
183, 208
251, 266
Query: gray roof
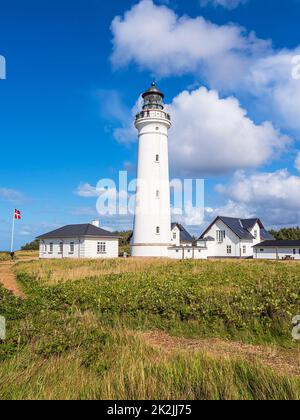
78, 231
241, 227
278, 244
184, 234
264, 234
153, 90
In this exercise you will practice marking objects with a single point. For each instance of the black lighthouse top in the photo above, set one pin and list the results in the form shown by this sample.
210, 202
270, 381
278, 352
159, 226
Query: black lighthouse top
153, 98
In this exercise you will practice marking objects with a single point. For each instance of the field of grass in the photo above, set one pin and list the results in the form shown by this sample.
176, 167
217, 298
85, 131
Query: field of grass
85, 330
4, 256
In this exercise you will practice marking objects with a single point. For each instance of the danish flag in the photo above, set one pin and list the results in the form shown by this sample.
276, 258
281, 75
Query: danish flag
17, 214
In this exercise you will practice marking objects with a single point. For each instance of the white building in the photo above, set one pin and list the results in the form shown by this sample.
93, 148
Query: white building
277, 250
183, 245
229, 237
152, 233
79, 241
180, 236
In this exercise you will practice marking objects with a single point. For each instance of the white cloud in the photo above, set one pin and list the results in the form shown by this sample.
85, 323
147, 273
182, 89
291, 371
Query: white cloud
227, 57
12, 196
86, 190
211, 135
277, 92
176, 45
228, 4
214, 135
273, 196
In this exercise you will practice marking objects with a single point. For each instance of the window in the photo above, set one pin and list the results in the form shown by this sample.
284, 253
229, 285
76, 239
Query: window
157, 128
157, 159
294, 251
51, 248
157, 194
157, 230
221, 235
175, 236
45, 248
72, 247
60, 247
101, 248
244, 249
255, 234
229, 250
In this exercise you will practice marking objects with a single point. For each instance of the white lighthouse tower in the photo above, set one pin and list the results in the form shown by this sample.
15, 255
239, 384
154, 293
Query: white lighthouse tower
152, 224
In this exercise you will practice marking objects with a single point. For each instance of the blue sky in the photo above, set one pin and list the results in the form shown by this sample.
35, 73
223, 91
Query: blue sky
73, 79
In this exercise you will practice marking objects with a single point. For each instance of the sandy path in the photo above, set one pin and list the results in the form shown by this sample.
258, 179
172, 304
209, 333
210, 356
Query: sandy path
280, 360
8, 279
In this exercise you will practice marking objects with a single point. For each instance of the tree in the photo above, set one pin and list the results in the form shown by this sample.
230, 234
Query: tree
32, 246
287, 234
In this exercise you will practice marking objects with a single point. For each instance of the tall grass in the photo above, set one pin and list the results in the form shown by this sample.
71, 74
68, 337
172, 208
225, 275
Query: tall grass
249, 301
79, 333
79, 357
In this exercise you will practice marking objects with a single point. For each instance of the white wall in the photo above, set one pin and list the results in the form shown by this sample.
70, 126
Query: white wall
220, 249
276, 253
152, 211
188, 253
175, 242
90, 248
84, 248
45, 252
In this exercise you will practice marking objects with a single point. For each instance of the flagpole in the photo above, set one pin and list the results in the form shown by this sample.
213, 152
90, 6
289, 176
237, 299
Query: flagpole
12, 234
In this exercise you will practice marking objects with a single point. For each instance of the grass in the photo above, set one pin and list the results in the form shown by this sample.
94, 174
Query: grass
80, 332
4, 256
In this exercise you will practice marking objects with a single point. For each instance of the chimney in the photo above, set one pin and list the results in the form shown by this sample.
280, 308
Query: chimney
96, 223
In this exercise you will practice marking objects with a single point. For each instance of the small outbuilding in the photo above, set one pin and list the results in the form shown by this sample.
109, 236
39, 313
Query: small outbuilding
79, 241
277, 250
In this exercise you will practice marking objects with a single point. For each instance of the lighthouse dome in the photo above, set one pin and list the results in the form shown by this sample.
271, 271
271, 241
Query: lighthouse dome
153, 98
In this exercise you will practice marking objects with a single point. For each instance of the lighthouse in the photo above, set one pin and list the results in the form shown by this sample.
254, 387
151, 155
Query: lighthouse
152, 221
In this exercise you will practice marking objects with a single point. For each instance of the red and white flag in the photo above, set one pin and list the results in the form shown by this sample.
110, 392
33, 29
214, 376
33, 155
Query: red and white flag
17, 214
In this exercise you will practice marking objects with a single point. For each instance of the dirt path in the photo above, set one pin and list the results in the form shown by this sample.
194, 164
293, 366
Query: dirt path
8, 279
283, 361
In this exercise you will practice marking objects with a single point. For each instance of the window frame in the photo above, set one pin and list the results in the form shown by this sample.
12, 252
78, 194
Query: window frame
101, 248
72, 248
221, 235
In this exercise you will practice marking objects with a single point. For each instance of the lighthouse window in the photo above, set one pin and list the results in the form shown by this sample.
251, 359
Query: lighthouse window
157, 159
157, 128
157, 230
157, 194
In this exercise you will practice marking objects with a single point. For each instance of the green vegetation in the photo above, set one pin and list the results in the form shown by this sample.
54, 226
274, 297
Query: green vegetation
124, 242
287, 234
80, 332
32, 246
